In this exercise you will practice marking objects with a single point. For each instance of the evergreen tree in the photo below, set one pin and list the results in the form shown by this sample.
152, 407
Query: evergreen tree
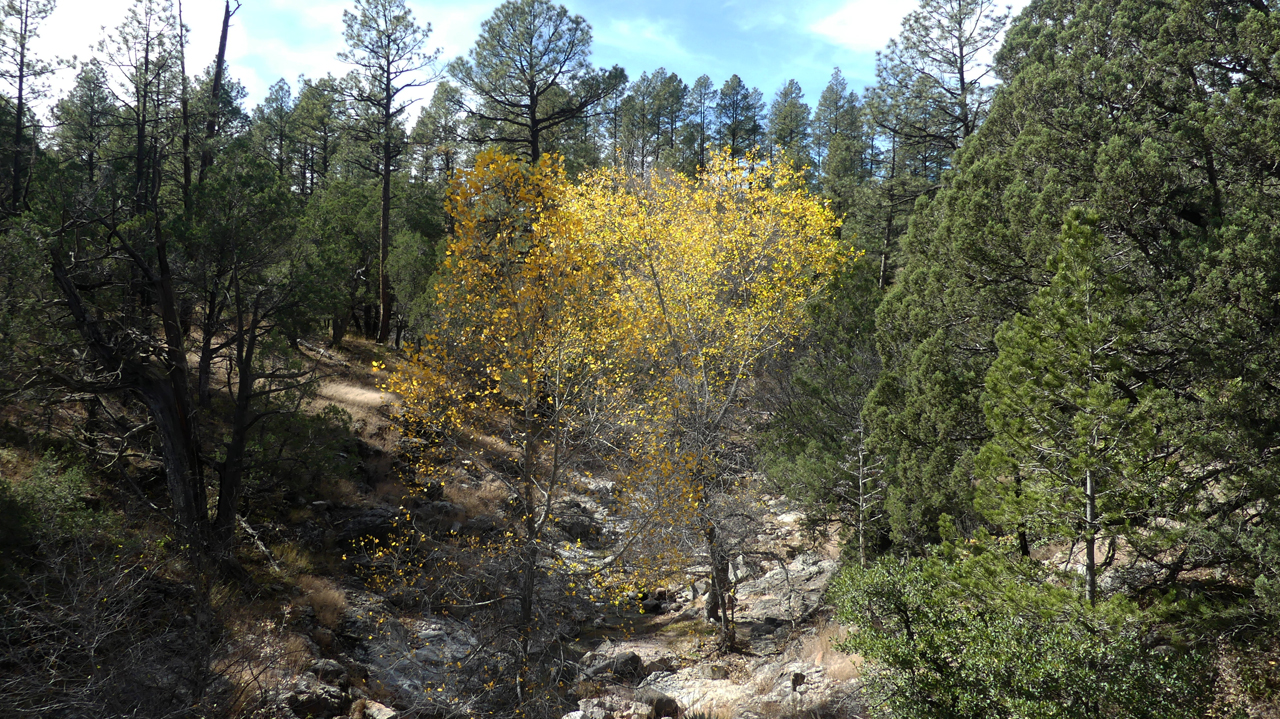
1074, 451
526, 50
436, 135
669, 113
930, 91
19, 26
788, 130
737, 115
699, 125
318, 131
85, 120
388, 49
639, 124
1177, 192
273, 127
840, 144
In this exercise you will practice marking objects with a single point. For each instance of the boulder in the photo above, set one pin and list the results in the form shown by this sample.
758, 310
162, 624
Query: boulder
373, 522
611, 706
329, 672
374, 710
626, 664
660, 664
714, 672
662, 704
439, 517
311, 697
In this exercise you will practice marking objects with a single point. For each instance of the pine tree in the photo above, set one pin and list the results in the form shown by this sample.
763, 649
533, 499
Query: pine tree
388, 49
273, 126
318, 131
840, 144
85, 119
788, 128
527, 49
1074, 448
699, 126
1180, 213
738, 112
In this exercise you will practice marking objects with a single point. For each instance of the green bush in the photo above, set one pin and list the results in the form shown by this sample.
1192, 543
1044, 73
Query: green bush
972, 630
52, 497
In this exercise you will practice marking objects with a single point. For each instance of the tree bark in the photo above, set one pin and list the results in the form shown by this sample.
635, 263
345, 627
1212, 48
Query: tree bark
16, 199
211, 125
167, 403
384, 241
1090, 539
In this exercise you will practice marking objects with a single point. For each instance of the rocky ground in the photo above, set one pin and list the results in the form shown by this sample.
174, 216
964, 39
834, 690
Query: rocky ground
380, 661
355, 653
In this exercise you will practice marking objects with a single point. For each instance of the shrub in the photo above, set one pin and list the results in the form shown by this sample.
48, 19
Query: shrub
51, 498
972, 630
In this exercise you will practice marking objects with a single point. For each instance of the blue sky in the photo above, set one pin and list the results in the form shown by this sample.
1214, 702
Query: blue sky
765, 42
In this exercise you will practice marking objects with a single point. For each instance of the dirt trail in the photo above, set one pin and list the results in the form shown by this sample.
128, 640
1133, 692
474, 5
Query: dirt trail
369, 407
350, 395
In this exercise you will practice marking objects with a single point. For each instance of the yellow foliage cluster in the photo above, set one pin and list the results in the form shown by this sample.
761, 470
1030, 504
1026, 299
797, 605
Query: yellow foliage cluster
709, 275
621, 318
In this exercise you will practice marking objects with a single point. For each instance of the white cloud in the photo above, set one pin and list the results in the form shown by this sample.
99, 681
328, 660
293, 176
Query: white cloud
868, 25
863, 25
641, 36
268, 39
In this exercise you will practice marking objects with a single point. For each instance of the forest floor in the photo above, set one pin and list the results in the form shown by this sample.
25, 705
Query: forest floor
787, 664
328, 624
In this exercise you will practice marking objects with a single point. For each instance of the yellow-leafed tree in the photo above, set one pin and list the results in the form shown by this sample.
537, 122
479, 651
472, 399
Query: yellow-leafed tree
519, 353
621, 321
710, 276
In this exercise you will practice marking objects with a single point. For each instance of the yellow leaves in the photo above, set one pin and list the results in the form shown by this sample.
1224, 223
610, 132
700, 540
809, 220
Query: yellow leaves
638, 305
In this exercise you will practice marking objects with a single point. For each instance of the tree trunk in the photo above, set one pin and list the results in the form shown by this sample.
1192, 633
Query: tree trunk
20, 100
384, 245
211, 125
166, 401
529, 485
1090, 539
181, 464
231, 477
339, 327
208, 328
719, 594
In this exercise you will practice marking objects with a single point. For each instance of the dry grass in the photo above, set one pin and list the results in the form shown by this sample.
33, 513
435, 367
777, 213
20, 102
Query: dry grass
711, 712
257, 660
391, 491
338, 490
292, 559
325, 598
485, 501
821, 650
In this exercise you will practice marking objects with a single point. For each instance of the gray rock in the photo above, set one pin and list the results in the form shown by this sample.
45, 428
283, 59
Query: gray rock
626, 664
660, 664
611, 706
714, 671
374, 710
373, 522
578, 522
329, 672
311, 697
479, 526
439, 517
662, 704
